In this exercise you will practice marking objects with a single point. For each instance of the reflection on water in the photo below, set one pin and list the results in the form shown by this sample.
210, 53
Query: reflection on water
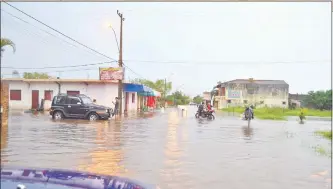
106, 159
174, 151
248, 132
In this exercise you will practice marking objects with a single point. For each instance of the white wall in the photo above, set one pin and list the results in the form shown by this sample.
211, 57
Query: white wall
26, 97
103, 93
132, 106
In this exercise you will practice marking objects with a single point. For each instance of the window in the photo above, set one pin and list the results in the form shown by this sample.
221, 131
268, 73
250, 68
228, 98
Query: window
133, 97
47, 95
15, 95
283, 102
59, 100
73, 100
262, 102
73, 92
229, 101
245, 101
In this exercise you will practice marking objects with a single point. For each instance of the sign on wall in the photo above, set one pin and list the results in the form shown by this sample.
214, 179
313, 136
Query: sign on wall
111, 73
232, 94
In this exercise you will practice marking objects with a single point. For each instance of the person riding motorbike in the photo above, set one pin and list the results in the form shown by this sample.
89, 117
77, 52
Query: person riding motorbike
201, 108
251, 109
209, 107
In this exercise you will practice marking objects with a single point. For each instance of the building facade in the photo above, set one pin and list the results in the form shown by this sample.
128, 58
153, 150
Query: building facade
240, 92
27, 94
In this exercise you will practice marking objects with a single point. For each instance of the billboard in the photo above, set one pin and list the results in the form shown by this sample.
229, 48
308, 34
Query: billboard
233, 94
111, 73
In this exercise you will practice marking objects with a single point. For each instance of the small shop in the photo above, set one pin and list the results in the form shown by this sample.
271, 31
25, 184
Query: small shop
146, 98
150, 98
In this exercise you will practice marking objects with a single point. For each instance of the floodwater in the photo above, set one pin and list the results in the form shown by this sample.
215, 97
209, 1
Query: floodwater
175, 151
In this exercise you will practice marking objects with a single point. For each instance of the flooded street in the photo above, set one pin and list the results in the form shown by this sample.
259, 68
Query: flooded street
175, 151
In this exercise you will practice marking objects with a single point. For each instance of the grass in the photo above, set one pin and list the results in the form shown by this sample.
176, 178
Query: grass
325, 134
279, 113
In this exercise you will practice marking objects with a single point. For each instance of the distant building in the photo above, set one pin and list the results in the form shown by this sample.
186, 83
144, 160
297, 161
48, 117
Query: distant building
240, 92
207, 96
296, 100
27, 94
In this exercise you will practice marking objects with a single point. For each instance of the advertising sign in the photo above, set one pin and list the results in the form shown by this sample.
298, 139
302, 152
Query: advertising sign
232, 94
111, 73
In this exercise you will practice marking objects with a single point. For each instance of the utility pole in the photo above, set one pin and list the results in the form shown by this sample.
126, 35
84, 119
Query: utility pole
120, 64
165, 88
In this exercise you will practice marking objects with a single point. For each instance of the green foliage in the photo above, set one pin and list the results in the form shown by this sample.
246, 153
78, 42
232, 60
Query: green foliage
158, 85
178, 98
6, 42
36, 75
321, 100
325, 134
279, 113
198, 99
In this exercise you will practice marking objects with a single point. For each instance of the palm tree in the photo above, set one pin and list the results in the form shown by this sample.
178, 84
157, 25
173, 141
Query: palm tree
6, 42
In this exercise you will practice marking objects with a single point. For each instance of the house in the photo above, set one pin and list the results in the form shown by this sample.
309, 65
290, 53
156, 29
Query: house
240, 92
296, 100
27, 94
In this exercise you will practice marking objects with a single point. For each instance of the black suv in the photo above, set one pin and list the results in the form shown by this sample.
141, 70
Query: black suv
78, 106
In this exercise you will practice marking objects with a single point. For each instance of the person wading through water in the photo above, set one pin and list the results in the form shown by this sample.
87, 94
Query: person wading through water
116, 107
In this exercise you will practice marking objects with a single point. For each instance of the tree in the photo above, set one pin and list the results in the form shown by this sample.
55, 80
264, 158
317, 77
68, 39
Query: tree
158, 85
36, 75
320, 100
178, 98
6, 42
198, 99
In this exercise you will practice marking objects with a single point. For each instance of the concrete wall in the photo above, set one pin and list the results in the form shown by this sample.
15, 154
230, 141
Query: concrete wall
103, 93
263, 95
132, 106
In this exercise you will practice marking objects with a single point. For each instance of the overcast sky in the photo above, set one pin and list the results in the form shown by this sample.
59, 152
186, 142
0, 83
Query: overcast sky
194, 45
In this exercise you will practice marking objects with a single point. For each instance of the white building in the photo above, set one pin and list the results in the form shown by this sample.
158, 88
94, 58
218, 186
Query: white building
27, 94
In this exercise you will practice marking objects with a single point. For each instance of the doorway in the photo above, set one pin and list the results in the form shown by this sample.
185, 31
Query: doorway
34, 99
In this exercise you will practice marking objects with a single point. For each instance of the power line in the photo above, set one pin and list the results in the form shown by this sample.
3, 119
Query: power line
68, 36
52, 67
59, 32
61, 71
227, 62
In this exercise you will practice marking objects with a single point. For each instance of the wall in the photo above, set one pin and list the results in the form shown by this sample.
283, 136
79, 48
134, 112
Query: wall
103, 93
264, 95
132, 106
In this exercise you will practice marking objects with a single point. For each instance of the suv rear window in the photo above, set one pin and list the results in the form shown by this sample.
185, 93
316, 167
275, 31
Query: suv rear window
59, 100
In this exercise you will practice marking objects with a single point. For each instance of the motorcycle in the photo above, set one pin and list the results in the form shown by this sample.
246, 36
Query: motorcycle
206, 114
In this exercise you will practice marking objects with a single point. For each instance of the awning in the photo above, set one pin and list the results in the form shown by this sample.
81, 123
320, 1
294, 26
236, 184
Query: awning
130, 87
156, 93
146, 91
141, 90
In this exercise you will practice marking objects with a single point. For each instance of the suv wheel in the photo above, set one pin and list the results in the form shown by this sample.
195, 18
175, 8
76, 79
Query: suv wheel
93, 117
58, 115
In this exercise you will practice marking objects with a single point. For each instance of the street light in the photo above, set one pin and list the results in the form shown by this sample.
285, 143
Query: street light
115, 36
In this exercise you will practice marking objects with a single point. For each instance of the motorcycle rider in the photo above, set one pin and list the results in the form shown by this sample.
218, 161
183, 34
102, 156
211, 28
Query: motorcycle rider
209, 107
251, 109
201, 108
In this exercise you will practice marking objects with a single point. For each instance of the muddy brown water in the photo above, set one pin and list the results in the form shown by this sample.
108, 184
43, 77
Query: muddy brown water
175, 151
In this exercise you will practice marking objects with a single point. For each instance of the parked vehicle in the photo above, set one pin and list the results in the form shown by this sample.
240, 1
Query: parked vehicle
79, 107
206, 114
